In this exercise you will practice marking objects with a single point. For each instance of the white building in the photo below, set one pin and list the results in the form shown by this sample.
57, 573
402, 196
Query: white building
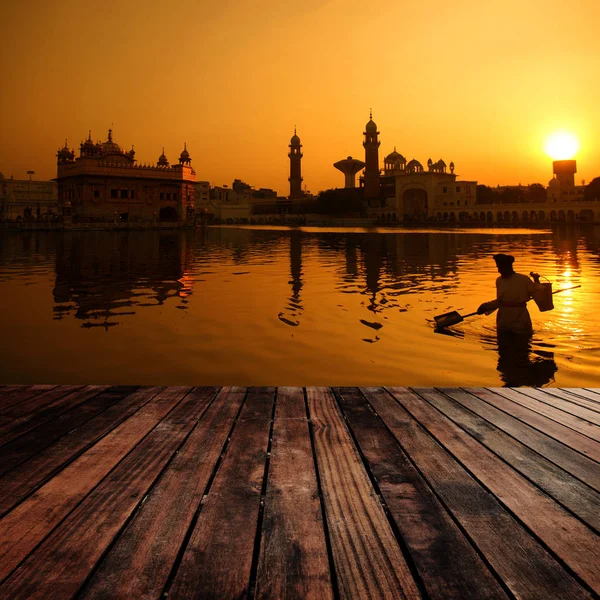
27, 199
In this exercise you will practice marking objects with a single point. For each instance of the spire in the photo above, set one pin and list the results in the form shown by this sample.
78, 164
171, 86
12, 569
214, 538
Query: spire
294, 130
110, 135
89, 135
371, 113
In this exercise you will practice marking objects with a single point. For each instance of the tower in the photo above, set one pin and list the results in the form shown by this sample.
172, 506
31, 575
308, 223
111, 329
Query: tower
349, 167
565, 171
295, 177
371, 145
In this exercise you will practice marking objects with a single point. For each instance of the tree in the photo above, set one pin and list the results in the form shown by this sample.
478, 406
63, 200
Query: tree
341, 201
592, 190
485, 194
536, 193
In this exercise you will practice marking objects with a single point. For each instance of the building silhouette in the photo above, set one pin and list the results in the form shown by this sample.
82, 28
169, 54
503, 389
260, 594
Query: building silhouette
106, 183
295, 177
371, 174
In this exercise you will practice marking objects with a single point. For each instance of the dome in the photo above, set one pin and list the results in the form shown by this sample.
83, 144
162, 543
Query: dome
184, 153
554, 182
394, 157
162, 159
110, 147
414, 165
371, 127
295, 141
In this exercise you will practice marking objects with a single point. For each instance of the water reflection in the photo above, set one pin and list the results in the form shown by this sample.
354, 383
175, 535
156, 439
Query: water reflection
294, 306
102, 277
227, 301
519, 365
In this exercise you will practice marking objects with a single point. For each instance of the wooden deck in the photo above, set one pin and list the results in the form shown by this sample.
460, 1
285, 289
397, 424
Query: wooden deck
179, 492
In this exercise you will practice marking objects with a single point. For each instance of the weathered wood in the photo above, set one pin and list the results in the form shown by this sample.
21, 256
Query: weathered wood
567, 436
18, 394
139, 564
427, 529
28, 524
293, 553
25, 423
548, 520
367, 558
44, 435
22, 480
528, 399
218, 558
562, 401
562, 486
59, 567
570, 460
528, 569
36, 400
577, 396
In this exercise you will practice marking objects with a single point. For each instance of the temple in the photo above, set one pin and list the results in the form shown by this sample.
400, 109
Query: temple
105, 183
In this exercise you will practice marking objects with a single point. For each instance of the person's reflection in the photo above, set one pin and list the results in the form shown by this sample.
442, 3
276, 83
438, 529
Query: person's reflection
518, 367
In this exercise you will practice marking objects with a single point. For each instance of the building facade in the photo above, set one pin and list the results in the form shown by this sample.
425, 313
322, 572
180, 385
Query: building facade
27, 200
105, 183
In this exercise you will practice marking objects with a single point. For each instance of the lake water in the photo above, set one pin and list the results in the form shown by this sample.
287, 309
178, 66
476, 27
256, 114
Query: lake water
279, 306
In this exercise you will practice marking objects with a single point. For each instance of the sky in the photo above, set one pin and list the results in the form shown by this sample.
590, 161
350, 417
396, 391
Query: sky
481, 84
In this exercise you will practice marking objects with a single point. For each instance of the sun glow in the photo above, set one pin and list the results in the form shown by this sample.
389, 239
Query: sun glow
561, 145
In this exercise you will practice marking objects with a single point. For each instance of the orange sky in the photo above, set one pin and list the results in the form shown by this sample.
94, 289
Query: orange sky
478, 83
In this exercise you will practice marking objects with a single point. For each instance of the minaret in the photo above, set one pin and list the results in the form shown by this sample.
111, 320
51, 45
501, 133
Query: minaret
295, 177
371, 146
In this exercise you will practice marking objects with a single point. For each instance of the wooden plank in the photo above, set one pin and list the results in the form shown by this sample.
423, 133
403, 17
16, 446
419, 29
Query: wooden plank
529, 571
574, 495
368, 560
447, 563
21, 392
59, 567
138, 565
530, 402
63, 399
559, 432
577, 464
22, 529
578, 396
43, 436
7, 403
24, 479
218, 558
572, 541
293, 559
557, 400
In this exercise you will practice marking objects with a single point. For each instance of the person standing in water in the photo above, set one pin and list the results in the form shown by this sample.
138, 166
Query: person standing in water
513, 290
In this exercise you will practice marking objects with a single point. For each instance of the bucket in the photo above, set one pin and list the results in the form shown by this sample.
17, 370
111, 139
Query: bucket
542, 296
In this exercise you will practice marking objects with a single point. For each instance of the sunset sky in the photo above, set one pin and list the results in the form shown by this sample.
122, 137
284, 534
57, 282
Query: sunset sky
479, 83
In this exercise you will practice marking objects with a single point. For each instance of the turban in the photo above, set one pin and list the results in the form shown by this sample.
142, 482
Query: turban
504, 259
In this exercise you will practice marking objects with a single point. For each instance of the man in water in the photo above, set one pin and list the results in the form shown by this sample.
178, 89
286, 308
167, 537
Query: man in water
513, 290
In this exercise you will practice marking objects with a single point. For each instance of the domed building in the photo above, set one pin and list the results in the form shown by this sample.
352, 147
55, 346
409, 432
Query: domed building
105, 183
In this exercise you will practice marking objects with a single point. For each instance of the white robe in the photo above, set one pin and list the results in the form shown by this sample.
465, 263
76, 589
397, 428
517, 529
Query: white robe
512, 294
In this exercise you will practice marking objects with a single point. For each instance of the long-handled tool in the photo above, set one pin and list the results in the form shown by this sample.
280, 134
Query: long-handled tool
454, 317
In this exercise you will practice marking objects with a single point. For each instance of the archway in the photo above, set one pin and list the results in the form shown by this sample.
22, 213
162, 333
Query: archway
168, 213
490, 217
541, 215
414, 202
586, 214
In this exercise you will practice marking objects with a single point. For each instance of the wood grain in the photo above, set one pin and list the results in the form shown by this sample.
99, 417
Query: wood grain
423, 522
22, 529
528, 569
218, 557
293, 554
368, 560
138, 565
549, 521
60, 566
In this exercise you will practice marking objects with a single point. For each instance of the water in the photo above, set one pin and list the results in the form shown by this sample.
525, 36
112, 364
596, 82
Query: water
258, 306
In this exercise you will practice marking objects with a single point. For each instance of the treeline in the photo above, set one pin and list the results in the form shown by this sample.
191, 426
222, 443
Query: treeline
535, 192
344, 201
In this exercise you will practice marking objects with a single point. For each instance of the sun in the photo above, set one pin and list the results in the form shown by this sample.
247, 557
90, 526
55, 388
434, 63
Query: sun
561, 145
